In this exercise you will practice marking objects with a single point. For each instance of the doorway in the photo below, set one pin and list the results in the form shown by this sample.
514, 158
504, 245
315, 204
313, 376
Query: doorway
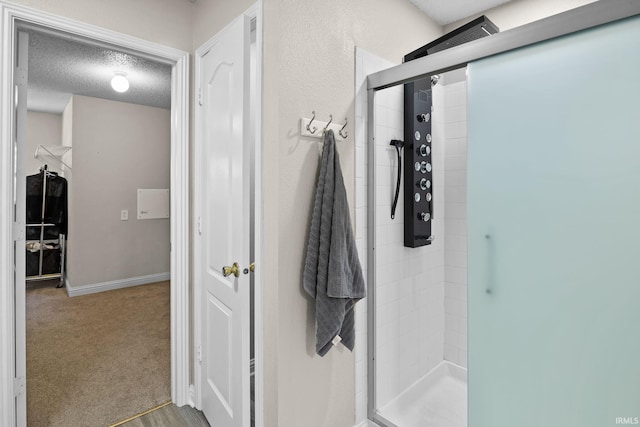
106, 349
12, 355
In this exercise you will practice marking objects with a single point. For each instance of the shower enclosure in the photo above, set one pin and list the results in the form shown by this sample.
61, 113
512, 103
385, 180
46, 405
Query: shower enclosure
421, 344
551, 208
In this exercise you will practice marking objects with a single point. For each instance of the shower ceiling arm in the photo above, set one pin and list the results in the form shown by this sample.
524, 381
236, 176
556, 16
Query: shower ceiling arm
593, 14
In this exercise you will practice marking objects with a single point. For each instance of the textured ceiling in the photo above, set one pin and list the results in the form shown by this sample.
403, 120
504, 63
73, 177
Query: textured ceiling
447, 11
60, 67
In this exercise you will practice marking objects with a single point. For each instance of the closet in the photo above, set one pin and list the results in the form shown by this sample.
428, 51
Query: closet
46, 229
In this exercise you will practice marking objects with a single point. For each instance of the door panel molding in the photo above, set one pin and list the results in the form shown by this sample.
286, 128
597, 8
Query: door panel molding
254, 15
180, 214
222, 177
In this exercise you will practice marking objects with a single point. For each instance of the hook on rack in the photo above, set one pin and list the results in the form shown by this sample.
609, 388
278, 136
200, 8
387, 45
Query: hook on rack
340, 132
309, 124
309, 127
328, 124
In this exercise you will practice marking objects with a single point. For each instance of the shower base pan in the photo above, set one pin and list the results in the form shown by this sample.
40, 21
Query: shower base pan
439, 399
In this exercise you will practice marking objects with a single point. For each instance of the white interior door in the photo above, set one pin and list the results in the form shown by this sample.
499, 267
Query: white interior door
21, 86
223, 233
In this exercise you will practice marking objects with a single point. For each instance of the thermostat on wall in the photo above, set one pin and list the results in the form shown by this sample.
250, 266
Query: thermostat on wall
153, 203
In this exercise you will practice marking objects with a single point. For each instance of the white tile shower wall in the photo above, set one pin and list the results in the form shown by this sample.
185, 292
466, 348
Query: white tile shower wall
409, 282
455, 159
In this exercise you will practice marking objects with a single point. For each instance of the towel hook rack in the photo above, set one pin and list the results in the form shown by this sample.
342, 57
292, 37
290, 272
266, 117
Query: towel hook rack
328, 124
309, 127
340, 132
309, 124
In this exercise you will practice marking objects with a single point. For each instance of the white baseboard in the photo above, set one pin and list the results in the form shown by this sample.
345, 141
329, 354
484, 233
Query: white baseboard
192, 396
116, 284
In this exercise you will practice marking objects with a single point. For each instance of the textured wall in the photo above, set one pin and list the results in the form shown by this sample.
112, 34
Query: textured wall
310, 65
117, 148
167, 22
210, 16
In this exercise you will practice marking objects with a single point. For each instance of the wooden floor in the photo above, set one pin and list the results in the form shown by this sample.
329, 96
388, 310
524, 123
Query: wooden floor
169, 415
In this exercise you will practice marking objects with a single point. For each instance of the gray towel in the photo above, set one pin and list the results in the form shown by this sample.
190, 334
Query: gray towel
332, 272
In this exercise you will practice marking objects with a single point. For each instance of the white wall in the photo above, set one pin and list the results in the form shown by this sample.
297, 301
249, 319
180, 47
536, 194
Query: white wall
117, 148
455, 258
42, 129
67, 133
309, 65
210, 16
167, 22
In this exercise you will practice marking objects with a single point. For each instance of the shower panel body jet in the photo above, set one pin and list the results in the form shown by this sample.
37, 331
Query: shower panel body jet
418, 172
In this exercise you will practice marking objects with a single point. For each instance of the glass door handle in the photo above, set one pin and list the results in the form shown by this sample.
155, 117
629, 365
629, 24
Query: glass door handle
490, 284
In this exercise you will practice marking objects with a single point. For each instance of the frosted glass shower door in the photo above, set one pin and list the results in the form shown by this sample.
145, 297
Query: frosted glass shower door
554, 232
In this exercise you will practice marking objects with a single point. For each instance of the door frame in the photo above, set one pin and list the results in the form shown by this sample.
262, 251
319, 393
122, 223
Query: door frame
11, 314
581, 18
254, 13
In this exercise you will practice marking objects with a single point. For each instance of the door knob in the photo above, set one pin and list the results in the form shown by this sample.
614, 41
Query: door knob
234, 269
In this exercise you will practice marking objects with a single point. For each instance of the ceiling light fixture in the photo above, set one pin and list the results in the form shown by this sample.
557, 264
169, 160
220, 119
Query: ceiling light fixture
119, 82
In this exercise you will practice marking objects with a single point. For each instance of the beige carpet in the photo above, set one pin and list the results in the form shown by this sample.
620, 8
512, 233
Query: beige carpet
97, 359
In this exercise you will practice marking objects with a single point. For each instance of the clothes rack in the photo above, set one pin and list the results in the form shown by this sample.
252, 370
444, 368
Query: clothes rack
46, 219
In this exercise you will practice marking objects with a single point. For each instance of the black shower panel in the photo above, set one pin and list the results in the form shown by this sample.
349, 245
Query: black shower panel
418, 101
418, 171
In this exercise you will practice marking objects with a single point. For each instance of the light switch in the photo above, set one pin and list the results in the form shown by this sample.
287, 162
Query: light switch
124, 215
